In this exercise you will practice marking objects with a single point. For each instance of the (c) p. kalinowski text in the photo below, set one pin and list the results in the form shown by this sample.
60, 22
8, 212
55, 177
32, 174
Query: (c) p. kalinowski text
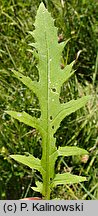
51, 207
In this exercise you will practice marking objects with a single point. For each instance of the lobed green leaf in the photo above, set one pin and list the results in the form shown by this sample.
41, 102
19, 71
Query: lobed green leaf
67, 178
32, 85
39, 187
70, 151
26, 118
30, 161
68, 108
47, 89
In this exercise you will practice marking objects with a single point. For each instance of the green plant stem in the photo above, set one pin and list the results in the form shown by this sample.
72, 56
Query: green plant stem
47, 183
47, 153
45, 158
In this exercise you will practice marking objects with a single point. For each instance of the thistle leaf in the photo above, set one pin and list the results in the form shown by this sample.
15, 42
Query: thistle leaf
30, 161
67, 178
32, 85
26, 118
67, 73
38, 187
71, 150
66, 109
47, 90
